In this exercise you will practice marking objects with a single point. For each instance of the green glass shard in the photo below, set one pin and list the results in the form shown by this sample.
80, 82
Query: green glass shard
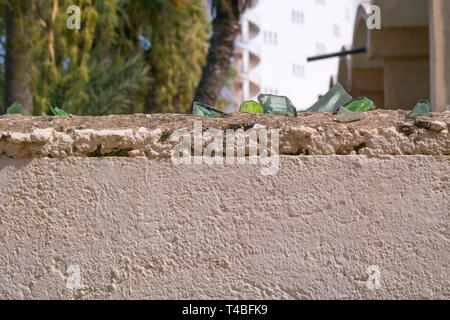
277, 105
330, 102
203, 110
58, 112
422, 109
360, 104
251, 107
15, 108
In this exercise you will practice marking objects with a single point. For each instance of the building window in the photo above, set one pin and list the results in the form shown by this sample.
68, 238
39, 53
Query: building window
298, 71
320, 48
270, 37
336, 30
298, 17
270, 90
347, 13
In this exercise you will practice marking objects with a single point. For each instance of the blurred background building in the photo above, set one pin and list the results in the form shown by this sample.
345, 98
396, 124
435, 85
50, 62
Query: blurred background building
278, 36
406, 60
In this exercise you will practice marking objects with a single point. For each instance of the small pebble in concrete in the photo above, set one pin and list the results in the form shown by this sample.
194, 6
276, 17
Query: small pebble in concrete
426, 123
346, 116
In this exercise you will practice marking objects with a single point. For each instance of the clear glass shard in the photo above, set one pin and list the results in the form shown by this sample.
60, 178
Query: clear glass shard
422, 109
343, 110
203, 110
332, 100
273, 104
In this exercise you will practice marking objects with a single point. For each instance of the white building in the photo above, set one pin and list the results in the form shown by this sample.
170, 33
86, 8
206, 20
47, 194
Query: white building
277, 37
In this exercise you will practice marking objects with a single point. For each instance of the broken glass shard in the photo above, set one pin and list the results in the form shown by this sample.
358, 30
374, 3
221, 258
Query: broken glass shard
15, 108
58, 112
203, 110
332, 100
422, 109
251, 107
360, 104
277, 105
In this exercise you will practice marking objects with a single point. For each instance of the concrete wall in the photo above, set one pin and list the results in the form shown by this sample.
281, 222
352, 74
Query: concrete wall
140, 228
403, 13
109, 227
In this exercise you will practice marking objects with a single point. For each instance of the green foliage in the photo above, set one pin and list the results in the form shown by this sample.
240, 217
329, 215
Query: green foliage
2, 86
109, 89
88, 75
15, 108
2, 56
104, 68
177, 31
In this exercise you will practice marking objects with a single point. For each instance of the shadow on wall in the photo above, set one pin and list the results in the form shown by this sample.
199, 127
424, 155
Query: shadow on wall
17, 164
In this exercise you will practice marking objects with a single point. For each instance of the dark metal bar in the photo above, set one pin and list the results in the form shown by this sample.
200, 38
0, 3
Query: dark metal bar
337, 54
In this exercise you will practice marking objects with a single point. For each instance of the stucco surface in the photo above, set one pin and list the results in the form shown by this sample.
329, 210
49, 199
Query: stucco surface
144, 228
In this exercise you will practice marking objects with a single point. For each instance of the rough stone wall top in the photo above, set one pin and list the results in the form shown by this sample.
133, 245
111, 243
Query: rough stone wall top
382, 132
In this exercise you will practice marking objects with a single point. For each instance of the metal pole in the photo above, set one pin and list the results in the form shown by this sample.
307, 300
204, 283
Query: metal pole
337, 54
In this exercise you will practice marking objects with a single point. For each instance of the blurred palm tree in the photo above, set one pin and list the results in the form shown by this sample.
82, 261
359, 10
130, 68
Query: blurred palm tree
175, 33
128, 56
226, 27
18, 57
